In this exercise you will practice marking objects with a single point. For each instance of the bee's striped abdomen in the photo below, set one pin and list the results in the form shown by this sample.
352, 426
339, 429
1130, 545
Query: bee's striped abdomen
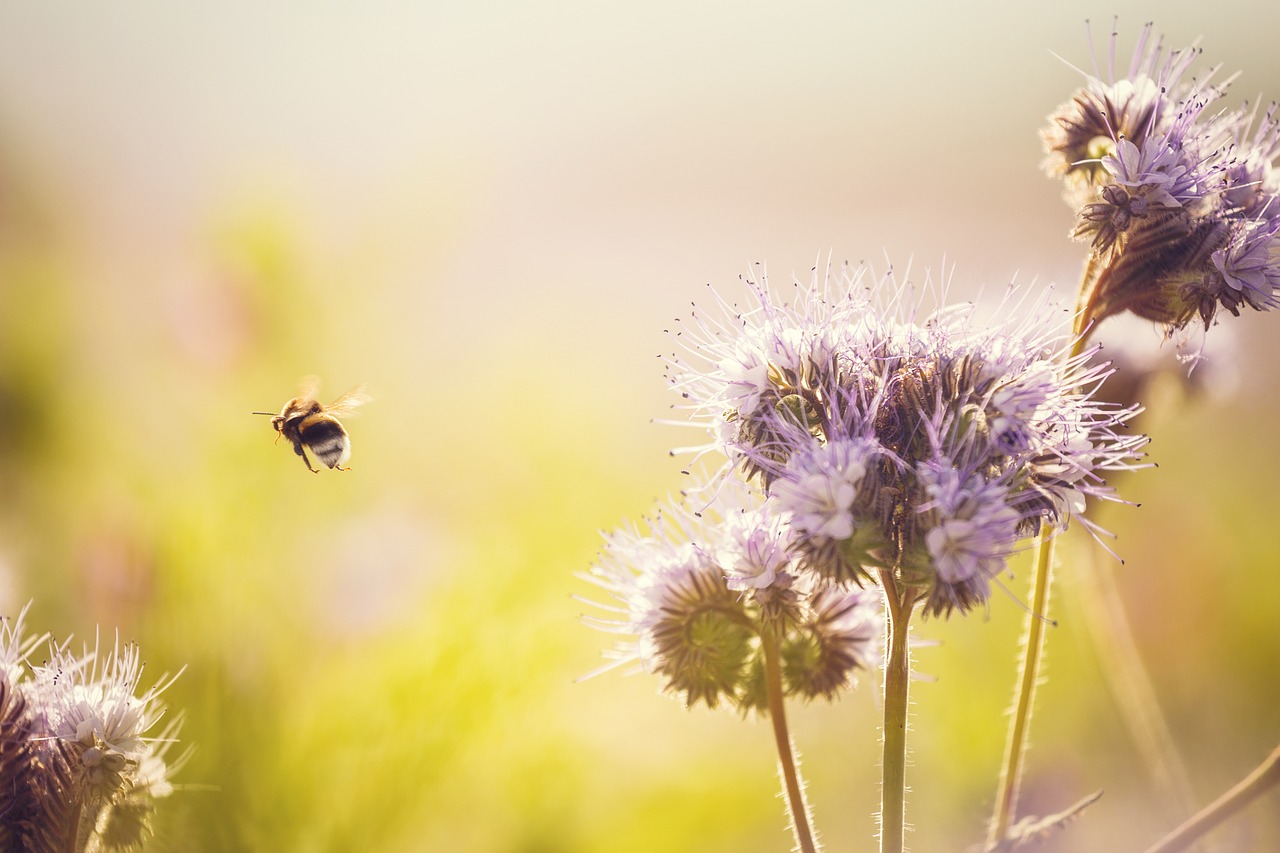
326, 439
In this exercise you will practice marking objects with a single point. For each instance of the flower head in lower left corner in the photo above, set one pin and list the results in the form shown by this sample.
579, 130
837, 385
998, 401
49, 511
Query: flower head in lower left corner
86, 751
695, 593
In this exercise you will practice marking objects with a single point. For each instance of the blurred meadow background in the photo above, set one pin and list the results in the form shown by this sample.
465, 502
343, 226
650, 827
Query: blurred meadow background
487, 214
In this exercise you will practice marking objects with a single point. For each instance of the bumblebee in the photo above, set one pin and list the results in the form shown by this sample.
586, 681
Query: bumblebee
307, 424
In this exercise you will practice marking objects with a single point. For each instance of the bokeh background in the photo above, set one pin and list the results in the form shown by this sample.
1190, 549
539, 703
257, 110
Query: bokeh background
488, 213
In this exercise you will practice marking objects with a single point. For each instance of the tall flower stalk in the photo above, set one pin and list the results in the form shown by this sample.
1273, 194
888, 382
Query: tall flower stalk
897, 680
711, 602
1033, 644
882, 441
1180, 207
788, 769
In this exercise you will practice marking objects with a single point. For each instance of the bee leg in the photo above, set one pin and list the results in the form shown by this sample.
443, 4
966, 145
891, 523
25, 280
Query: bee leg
297, 448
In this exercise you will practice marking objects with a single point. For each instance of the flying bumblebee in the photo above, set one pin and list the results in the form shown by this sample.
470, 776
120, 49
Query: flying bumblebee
307, 424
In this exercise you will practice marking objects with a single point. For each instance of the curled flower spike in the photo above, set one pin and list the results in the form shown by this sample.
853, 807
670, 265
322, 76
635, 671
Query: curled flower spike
697, 592
1177, 201
840, 634
891, 436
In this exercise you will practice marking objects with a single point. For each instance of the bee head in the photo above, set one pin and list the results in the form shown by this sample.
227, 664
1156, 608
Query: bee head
277, 421
294, 410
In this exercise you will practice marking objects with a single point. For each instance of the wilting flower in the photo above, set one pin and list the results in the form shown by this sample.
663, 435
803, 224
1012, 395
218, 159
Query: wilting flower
1177, 201
896, 438
695, 593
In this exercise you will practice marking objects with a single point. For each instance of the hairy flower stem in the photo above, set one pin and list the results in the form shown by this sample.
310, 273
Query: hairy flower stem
1028, 675
797, 808
1033, 642
897, 672
1263, 778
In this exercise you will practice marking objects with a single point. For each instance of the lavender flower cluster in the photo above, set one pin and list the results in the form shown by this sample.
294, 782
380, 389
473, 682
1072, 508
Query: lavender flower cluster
80, 769
874, 439
1177, 199
700, 590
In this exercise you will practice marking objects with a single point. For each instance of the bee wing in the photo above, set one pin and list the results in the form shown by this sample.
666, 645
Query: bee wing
347, 404
308, 387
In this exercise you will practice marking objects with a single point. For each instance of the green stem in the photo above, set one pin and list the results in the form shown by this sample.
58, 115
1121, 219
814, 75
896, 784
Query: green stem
1266, 776
797, 808
1028, 676
897, 672
1034, 638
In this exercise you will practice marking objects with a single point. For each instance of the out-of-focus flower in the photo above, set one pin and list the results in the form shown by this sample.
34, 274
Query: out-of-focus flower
1177, 201
89, 704
82, 763
1147, 370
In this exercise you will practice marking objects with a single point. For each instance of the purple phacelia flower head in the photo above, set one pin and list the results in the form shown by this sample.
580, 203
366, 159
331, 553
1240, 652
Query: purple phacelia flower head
895, 437
1177, 201
1140, 105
